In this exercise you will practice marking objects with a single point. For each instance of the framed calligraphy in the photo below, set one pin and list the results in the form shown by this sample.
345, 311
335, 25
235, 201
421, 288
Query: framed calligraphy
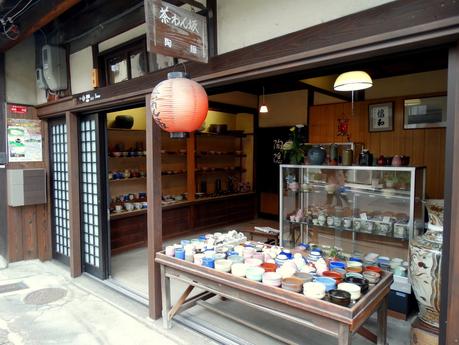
174, 31
380, 117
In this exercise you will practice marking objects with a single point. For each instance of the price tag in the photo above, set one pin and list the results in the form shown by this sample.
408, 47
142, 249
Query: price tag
363, 216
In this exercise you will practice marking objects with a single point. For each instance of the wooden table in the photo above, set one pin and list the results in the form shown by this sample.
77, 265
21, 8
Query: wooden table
340, 322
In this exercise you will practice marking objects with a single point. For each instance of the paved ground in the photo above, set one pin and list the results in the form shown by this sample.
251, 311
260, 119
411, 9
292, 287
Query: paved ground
85, 312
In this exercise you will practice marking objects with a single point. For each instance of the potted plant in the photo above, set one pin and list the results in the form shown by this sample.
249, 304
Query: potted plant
293, 150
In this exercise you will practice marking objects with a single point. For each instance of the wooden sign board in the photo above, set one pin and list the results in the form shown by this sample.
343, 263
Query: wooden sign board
174, 31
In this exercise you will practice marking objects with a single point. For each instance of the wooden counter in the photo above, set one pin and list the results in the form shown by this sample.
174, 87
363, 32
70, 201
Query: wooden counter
320, 315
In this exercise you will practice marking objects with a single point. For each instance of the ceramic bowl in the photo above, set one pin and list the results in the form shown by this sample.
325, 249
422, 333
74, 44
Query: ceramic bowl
286, 272
331, 188
329, 283
220, 256
353, 289
223, 265
305, 277
236, 259
198, 258
371, 276
337, 264
239, 269
374, 269
335, 275
340, 297
314, 290
353, 274
271, 278
269, 267
294, 284
254, 273
252, 262
361, 282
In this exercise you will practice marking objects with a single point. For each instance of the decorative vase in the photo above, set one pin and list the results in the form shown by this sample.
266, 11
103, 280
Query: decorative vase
316, 155
348, 156
425, 265
396, 161
334, 158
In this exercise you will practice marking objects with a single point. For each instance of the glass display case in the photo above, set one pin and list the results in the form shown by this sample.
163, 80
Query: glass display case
357, 209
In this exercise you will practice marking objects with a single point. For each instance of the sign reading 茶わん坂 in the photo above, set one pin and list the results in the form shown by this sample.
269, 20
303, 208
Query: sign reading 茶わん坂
174, 31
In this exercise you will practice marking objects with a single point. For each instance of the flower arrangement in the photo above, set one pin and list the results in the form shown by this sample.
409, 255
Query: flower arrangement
293, 150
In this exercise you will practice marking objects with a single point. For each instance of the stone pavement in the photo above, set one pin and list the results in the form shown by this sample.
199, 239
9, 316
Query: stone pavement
52, 308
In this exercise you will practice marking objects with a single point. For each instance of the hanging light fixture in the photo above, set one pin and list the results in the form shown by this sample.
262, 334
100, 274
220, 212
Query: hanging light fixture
353, 81
263, 107
179, 105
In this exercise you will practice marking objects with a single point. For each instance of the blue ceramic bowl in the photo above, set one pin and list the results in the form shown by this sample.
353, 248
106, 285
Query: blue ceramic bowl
355, 259
337, 264
208, 262
329, 283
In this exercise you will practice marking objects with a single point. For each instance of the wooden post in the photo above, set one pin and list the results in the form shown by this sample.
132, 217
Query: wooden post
3, 151
154, 213
449, 316
191, 166
71, 120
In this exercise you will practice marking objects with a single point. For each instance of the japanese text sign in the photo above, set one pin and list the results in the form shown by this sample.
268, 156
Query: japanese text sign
174, 31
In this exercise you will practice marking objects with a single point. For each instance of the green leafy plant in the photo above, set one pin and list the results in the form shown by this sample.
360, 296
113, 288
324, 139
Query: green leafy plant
293, 150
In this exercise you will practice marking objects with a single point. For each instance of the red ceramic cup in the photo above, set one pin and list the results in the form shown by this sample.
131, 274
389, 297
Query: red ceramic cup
374, 269
269, 267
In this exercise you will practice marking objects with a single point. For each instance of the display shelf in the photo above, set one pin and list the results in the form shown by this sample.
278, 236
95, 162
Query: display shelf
166, 173
173, 153
205, 154
344, 229
128, 179
127, 157
127, 214
220, 170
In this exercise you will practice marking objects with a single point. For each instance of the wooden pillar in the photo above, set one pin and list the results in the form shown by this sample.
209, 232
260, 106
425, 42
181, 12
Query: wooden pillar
154, 213
3, 155
449, 316
71, 120
191, 166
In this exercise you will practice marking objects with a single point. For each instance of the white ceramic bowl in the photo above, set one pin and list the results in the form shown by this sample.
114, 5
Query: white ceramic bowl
252, 262
254, 273
223, 265
272, 278
314, 290
239, 269
353, 289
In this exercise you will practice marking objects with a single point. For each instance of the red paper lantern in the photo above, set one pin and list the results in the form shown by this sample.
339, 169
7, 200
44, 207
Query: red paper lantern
179, 104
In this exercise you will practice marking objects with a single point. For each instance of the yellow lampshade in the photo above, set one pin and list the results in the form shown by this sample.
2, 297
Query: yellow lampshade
263, 109
353, 81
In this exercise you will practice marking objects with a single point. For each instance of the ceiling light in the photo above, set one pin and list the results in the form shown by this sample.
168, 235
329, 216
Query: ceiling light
263, 107
353, 81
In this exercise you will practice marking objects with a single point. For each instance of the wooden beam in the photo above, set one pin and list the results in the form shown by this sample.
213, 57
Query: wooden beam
212, 27
71, 120
449, 315
231, 108
313, 89
154, 213
43, 13
193, 3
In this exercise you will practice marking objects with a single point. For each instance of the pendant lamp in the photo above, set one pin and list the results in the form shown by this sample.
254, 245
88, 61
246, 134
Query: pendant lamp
179, 105
353, 81
263, 107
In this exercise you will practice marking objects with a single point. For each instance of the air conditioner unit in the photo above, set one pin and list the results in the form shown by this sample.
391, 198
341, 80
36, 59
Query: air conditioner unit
54, 67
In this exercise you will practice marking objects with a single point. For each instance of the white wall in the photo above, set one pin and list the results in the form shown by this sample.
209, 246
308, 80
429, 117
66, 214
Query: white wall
285, 109
122, 38
20, 73
245, 22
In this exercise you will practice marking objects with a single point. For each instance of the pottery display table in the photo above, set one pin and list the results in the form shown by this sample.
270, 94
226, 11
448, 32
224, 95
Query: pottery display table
320, 315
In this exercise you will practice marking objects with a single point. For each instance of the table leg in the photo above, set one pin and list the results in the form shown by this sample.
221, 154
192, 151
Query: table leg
166, 297
382, 322
344, 335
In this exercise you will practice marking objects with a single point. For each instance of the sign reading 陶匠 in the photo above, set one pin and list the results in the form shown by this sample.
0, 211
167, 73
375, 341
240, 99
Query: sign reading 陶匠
174, 31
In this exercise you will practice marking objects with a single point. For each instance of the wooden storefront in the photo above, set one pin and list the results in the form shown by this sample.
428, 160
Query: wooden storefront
389, 29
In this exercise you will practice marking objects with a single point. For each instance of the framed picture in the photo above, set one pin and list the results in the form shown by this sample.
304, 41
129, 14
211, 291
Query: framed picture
380, 117
425, 112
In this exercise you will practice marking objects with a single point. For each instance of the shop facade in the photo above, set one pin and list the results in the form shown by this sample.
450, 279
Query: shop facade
345, 44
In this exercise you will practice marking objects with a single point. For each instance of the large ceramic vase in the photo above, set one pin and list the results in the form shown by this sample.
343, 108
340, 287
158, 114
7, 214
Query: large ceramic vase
425, 265
316, 155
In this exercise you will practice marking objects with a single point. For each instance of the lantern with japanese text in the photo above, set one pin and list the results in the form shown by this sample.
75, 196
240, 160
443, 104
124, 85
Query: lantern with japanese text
179, 104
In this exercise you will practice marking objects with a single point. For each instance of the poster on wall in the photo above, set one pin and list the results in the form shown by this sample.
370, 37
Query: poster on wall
24, 140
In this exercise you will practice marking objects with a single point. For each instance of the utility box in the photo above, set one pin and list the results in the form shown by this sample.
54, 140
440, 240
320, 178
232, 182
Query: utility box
26, 187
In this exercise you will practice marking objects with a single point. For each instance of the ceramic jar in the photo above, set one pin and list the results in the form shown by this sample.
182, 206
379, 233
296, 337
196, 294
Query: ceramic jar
348, 157
425, 266
316, 155
396, 161
314, 290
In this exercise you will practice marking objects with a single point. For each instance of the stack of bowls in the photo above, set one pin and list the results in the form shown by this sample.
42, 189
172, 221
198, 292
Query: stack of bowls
384, 263
305, 277
335, 275
372, 277
314, 290
219, 256
352, 289
208, 262
254, 273
239, 269
198, 258
340, 297
271, 279
269, 266
252, 262
314, 255
294, 284
354, 266
374, 269
248, 252
281, 259
337, 266
223, 265
361, 282
329, 283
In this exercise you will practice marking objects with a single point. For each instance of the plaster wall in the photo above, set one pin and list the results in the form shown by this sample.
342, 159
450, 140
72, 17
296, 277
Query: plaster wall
285, 109
81, 70
242, 23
